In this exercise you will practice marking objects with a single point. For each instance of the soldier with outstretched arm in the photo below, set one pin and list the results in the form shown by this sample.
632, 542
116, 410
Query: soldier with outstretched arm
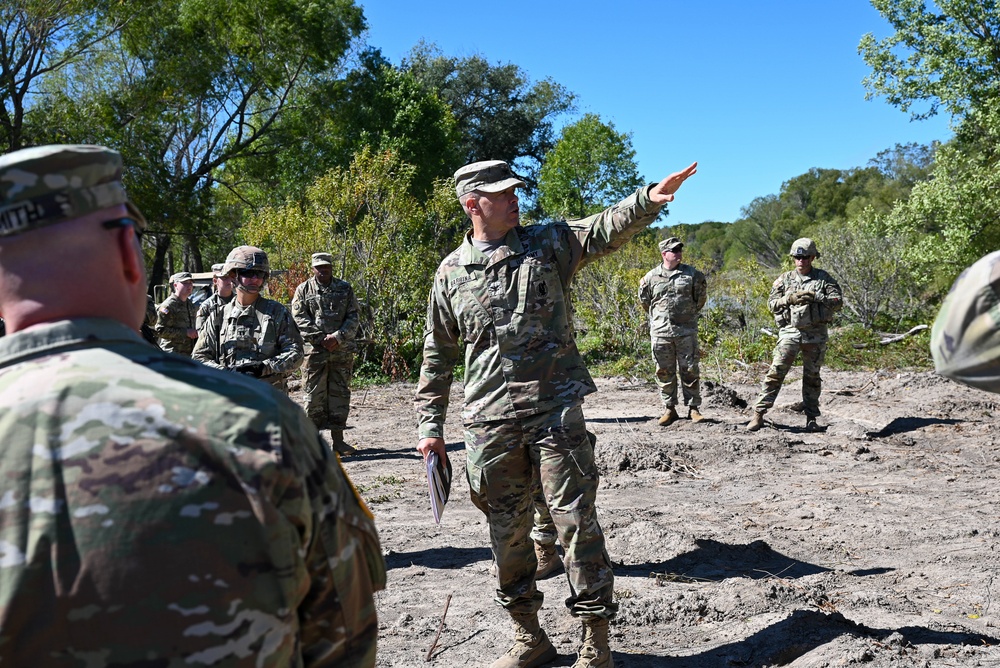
500, 304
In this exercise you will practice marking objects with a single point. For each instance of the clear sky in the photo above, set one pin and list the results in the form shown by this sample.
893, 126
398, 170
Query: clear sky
756, 91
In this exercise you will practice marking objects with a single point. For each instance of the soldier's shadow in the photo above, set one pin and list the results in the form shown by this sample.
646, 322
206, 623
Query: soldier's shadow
713, 561
439, 557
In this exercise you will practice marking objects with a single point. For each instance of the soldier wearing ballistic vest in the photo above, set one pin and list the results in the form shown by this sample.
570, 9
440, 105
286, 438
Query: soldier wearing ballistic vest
673, 295
153, 511
175, 317
251, 334
326, 312
803, 302
500, 303
222, 294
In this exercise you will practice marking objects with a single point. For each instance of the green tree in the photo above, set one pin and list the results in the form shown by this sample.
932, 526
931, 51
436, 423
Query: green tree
500, 113
590, 168
39, 38
194, 85
942, 55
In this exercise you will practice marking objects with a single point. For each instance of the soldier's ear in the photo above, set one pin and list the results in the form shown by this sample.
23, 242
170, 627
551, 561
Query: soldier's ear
133, 263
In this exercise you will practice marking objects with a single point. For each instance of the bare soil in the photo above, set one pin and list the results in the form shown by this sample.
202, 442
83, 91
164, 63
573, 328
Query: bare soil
872, 543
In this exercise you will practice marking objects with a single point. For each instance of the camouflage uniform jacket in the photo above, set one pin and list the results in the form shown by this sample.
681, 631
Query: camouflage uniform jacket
965, 339
673, 300
154, 511
320, 309
173, 319
805, 322
215, 302
262, 332
509, 314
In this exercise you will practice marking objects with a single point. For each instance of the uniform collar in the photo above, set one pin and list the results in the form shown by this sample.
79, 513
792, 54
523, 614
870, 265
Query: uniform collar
469, 254
62, 334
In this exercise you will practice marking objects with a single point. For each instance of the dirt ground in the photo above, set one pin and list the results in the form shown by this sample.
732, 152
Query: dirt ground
873, 543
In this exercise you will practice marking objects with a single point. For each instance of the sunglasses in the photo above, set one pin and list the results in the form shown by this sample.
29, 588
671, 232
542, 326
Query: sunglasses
802, 257
124, 222
251, 273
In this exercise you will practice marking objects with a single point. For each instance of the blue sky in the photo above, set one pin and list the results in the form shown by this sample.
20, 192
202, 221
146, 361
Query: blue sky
756, 91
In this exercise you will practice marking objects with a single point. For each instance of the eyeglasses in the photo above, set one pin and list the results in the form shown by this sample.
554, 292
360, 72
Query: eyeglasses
124, 222
802, 257
252, 273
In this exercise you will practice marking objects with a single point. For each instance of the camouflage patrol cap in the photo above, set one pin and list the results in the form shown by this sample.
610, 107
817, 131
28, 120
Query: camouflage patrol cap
803, 247
673, 243
320, 259
488, 176
181, 277
45, 185
246, 257
218, 270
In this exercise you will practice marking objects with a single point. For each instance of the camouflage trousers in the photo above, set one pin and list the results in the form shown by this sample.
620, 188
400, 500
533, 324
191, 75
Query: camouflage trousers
543, 529
784, 356
328, 388
555, 448
678, 354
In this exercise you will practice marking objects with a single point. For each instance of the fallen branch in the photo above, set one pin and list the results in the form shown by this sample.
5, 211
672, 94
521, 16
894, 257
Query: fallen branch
440, 626
900, 337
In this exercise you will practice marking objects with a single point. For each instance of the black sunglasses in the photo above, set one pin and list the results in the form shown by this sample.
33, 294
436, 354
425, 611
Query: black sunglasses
124, 222
251, 273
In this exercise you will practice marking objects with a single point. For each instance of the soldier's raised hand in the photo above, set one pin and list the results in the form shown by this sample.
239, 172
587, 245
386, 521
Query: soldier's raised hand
663, 191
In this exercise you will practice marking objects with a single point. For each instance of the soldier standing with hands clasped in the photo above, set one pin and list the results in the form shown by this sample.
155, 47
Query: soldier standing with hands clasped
500, 304
803, 302
326, 312
673, 295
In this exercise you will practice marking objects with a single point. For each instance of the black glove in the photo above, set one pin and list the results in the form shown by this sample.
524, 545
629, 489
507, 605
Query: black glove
253, 369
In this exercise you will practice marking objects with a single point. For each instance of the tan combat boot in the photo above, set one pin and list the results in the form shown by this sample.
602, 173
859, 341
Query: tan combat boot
339, 444
695, 415
531, 645
668, 418
594, 651
756, 423
548, 560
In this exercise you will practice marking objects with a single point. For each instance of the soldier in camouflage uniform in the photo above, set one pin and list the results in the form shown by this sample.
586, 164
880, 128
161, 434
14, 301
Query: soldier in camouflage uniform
222, 294
175, 317
326, 312
251, 334
499, 304
803, 302
673, 295
153, 511
965, 339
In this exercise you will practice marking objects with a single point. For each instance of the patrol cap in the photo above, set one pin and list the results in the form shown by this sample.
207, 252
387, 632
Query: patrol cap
319, 259
181, 277
804, 247
488, 176
44, 185
217, 270
673, 243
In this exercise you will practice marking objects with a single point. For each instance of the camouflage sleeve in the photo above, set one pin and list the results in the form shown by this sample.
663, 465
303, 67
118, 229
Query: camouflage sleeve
832, 297
776, 301
206, 348
441, 352
203, 310
290, 348
338, 622
305, 317
965, 338
172, 322
700, 290
349, 329
645, 293
598, 235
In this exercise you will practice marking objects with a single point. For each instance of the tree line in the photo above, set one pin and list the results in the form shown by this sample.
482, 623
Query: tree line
276, 124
